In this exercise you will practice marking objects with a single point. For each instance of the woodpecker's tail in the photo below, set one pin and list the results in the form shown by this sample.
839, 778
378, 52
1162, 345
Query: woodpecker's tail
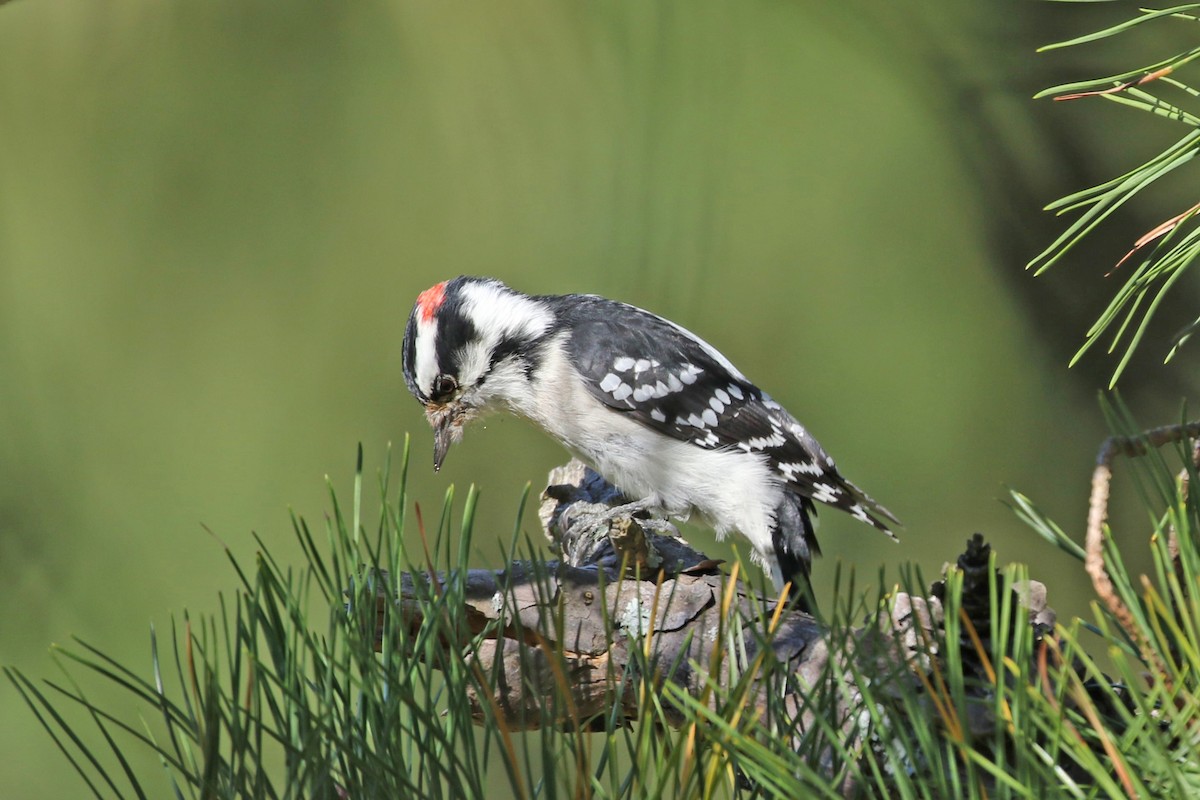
794, 540
858, 504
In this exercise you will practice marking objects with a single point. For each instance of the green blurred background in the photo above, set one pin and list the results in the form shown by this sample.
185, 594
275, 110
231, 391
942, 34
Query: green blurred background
215, 216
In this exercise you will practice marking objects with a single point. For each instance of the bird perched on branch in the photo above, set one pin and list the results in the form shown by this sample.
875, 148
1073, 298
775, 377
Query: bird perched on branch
656, 410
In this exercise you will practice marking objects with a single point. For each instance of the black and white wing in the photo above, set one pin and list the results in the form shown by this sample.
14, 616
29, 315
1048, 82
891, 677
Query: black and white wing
672, 381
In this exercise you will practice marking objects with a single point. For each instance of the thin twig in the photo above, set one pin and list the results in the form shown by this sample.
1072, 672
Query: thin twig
1173, 534
1122, 86
1130, 447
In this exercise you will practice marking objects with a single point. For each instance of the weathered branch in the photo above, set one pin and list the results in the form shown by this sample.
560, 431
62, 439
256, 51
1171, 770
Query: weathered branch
629, 596
1130, 447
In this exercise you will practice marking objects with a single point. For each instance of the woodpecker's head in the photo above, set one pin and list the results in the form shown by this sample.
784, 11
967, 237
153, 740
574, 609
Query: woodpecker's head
468, 348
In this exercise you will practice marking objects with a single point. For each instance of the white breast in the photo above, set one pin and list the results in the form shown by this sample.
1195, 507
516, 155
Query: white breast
734, 490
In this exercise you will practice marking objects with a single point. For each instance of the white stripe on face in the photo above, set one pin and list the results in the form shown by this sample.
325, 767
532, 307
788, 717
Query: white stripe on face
426, 350
498, 313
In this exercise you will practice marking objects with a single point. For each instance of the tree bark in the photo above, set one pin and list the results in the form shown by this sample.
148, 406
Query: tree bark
628, 595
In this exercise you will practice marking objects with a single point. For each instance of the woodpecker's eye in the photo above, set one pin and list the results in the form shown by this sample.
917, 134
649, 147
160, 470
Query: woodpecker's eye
444, 386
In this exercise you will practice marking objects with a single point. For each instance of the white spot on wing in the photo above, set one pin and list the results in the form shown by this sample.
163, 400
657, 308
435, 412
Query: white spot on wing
657, 415
716, 405
610, 382
673, 383
622, 391
825, 493
641, 365
623, 364
791, 469
709, 417
723, 396
736, 391
763, 442
643, 393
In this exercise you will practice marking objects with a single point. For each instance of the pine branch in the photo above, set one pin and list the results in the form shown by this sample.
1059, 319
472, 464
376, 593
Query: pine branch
629, 595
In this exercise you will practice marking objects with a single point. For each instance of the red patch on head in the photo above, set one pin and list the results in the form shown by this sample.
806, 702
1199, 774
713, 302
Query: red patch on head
430, 300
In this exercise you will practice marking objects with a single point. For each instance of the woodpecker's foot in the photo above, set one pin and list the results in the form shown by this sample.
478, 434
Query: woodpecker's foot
590, 523
646, 508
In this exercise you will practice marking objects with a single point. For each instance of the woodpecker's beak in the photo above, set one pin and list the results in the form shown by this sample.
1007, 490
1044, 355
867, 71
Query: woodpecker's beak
447, 422
442, 439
